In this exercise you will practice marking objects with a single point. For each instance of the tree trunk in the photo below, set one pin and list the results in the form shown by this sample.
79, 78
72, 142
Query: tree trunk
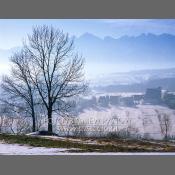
50, 131
33, 119
34, 124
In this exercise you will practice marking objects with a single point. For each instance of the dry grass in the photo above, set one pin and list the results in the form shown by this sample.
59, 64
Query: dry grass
90, 144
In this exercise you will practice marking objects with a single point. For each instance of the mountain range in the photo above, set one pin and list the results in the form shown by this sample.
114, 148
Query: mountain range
145, 48
146, 51
105, 57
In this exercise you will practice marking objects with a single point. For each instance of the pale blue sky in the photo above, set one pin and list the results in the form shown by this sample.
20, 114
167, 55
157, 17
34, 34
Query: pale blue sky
12, 31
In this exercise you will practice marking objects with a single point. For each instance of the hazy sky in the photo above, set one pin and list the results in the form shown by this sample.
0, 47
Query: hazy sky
12, 32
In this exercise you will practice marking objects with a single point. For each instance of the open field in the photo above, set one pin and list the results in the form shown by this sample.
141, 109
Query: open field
142, 117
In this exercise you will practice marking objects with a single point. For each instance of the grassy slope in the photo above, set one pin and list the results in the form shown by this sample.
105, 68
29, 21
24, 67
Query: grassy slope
105, 145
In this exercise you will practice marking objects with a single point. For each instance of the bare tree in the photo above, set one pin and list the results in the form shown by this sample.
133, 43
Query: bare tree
165, 124
10, 122
22, 125
5, 111
64, 126
79, 128
115, 123
18, 89
55, 70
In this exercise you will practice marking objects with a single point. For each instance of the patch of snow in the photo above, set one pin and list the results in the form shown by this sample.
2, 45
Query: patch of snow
33, 133
16, 149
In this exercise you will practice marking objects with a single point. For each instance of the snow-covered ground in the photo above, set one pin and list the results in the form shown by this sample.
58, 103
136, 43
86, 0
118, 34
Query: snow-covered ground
142, 120
142, 117
16, 149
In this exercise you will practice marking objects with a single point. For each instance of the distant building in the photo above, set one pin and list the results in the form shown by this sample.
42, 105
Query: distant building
114, 100
153, 95
138, 99
169, 99
127, 101
103, 101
